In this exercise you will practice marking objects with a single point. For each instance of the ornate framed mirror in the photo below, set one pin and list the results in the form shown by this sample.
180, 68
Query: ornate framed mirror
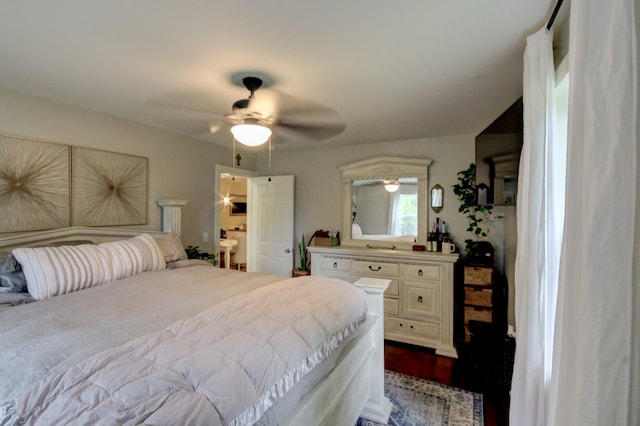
437, 198
373, 216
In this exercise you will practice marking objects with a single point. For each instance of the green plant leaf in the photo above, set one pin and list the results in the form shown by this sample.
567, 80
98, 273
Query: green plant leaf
466, 192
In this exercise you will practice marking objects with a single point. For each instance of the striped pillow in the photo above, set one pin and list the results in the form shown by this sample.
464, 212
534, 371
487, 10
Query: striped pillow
52, 271
132, 256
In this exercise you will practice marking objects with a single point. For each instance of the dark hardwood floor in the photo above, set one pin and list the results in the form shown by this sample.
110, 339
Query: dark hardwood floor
424, 363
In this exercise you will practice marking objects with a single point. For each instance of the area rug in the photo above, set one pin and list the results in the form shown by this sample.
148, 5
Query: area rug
421, 402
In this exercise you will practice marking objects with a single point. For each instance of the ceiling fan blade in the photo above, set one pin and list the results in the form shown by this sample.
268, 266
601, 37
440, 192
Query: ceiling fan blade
296, 119
235, 118
329, 125
264, 105
272, 106
285, 136
308, 132
288, 106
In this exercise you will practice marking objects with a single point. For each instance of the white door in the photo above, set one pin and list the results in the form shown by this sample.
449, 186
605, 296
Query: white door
270, 221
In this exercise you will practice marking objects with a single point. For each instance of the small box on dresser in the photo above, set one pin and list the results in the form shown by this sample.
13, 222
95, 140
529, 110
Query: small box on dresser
327, 241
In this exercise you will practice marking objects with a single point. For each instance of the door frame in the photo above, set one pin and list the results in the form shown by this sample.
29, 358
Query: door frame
217, 181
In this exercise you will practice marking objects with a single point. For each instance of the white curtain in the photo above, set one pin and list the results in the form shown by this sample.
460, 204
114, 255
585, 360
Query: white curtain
540, 217
393, 223
595, 371
594, 368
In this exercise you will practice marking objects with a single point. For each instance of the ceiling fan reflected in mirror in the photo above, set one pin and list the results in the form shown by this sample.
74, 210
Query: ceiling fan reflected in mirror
255, 119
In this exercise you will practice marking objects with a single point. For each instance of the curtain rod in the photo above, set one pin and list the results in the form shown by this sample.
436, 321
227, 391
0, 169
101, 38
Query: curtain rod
554, 14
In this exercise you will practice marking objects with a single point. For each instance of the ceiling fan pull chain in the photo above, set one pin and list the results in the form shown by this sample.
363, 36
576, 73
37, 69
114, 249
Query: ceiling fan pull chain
269, 159
233, 160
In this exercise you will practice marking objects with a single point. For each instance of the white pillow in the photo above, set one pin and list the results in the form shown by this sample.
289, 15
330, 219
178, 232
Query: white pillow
52, 271
132, 256
171, 246
9, 264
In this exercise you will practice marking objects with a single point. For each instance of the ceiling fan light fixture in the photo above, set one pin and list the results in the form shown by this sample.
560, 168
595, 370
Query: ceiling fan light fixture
251, 134
391, 185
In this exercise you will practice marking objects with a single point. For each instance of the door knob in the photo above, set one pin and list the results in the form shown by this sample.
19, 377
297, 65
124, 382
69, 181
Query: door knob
287, 251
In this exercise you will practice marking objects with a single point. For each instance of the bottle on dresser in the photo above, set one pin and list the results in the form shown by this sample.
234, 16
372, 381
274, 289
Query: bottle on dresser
432, 242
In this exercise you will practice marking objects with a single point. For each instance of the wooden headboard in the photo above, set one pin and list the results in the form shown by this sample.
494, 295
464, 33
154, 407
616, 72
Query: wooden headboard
97, 235
171, 222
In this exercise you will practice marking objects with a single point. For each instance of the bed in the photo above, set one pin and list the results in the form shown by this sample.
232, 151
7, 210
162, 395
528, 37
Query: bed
119, 328
356, 234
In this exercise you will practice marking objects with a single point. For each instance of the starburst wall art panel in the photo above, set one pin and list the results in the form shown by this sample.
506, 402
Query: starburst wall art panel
34, 184
108, 188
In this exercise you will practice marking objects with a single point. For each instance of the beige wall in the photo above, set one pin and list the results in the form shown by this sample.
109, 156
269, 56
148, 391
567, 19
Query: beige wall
179, 167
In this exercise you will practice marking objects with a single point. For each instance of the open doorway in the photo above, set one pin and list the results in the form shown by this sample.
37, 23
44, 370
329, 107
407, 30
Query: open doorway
232, 232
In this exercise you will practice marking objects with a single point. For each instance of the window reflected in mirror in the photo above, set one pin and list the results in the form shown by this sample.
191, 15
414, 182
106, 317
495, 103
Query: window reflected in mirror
437, 198
382, 215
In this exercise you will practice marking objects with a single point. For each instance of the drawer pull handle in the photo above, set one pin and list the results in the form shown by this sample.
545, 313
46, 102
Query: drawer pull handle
335, 264
420, 272
411, 327
375, 270
401, 325
419, 299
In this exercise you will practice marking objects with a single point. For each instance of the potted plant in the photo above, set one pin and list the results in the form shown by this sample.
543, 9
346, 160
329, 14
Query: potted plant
477, 216
305, 262
193, 252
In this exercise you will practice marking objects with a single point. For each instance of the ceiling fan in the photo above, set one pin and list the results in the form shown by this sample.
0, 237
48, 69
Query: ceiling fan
250, 122
265, 110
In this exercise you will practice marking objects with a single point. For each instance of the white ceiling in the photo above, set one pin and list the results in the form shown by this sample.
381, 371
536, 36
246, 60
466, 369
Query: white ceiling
391, 70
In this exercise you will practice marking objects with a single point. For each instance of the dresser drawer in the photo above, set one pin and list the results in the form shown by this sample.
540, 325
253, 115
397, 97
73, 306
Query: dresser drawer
391, 306
417, 330
372, 269
420, 272
335, 264
421, 300
478, 275
478, 296
477, 314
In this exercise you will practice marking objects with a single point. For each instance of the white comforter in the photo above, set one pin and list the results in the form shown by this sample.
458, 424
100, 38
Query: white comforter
225, 365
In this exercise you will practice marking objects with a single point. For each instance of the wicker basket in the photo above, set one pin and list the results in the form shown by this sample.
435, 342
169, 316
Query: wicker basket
492, 356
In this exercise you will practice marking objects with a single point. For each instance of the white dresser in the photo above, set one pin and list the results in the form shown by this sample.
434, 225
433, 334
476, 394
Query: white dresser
418, 304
